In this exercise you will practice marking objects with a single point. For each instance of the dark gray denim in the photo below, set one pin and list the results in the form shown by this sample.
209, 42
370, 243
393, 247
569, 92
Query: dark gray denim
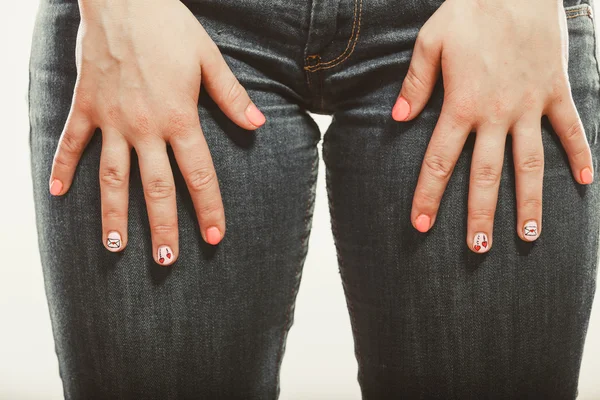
431, 319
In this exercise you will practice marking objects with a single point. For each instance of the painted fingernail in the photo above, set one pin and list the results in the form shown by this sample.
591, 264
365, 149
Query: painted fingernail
481, 243
422, 223
113, 241
401, 109
55, 187
530, 230
165, 255
586, 175
254, 115
213, 235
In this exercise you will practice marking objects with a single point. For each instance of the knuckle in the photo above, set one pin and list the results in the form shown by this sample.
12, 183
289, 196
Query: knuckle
158, 189
534, 203
574, 131
486, 176
580, 152
112, 213
481, 214
425, 200
162, 229
438, 166
202, 178
413, 83
62, 162
235, 92
531, 163
112, 177
180, 121
70, 144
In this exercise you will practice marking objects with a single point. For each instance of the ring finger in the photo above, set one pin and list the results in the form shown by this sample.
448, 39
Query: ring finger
159, 192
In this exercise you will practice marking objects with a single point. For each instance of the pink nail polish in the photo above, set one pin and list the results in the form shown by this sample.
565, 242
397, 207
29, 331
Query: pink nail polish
55, 187
254, 115
401, 109
422, 222
530, 230
113, 241
165, 255
213, 235
481, 243
586, 175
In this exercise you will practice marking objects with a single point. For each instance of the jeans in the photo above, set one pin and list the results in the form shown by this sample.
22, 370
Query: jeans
431, 319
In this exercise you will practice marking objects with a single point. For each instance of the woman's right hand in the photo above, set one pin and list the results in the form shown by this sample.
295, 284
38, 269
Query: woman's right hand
139, 69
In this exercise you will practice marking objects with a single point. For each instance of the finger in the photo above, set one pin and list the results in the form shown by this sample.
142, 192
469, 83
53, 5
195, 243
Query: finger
528, 154
195, 163
159, 192
565, 120
76, 134
114, 189
445, 146
227, 92
420, 79
486, 170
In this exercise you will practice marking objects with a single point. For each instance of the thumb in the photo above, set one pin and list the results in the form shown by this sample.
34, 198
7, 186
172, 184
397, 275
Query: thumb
227, 92
420, 79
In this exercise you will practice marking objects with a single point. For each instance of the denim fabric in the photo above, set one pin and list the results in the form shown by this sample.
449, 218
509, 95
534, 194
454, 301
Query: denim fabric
431, 319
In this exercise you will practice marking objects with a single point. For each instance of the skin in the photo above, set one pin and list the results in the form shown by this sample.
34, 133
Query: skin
139, 74
501, 72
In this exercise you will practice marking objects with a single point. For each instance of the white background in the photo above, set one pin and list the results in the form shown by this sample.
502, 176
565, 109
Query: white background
319, 361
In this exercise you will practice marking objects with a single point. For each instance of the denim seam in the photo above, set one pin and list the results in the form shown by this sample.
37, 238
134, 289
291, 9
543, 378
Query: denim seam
341, 268
298, 271
353, 40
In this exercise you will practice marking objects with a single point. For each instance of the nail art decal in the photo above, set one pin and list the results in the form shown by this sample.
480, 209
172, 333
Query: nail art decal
165, 255
530, 231
113, 240
480, 243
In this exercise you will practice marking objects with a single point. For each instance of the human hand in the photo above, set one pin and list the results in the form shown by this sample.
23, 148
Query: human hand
139, 71
501, 73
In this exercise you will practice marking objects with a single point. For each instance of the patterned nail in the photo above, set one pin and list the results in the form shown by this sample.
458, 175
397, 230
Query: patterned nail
113, 241
481, 243
165, 255
530, 230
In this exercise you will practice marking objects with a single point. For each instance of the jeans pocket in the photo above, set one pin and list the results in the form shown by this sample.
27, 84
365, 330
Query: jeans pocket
583, 68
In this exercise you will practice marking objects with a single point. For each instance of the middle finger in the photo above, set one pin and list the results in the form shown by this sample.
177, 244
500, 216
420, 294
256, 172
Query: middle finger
486, 170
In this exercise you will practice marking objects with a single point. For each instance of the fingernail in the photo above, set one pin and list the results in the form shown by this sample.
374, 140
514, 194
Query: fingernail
401, 109
165, 255
254, 115
530, 230
481, 243
113, 240
586, 175
213, 235
422, 222
55, 187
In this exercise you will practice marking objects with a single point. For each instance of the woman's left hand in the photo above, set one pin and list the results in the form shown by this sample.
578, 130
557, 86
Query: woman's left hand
504, 65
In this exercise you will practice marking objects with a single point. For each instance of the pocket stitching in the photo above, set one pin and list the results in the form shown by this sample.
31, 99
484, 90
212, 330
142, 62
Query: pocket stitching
580, 10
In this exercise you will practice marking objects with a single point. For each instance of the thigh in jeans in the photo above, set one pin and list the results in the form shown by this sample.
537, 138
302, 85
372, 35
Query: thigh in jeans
431, 318
213, 324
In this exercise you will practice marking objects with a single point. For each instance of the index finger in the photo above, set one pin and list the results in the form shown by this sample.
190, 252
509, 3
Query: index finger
445, 146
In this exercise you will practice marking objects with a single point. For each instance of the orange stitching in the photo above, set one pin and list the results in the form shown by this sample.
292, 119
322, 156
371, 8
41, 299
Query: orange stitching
349, 40
345, 56
585, 10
